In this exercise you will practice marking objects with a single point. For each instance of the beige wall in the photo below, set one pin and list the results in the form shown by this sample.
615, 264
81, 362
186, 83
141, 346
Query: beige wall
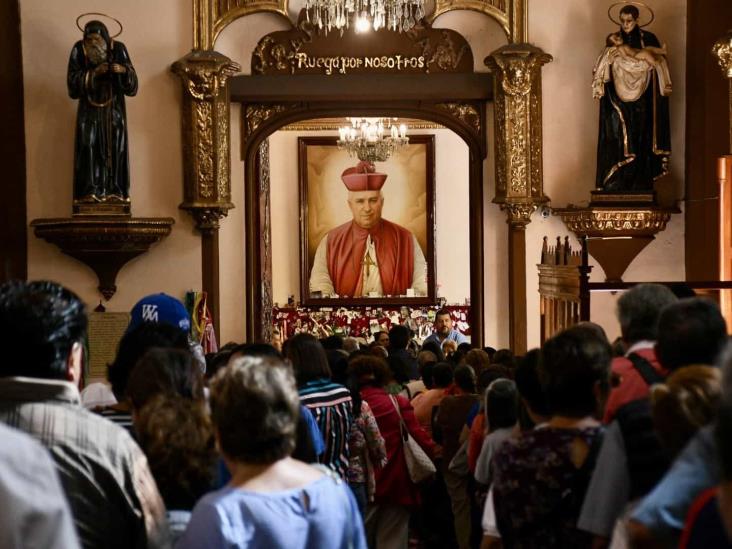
158, 33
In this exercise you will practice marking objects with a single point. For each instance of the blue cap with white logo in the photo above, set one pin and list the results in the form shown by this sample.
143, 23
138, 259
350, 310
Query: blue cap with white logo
160, 308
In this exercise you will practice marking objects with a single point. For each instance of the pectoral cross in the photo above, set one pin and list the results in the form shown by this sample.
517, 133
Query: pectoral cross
368, 263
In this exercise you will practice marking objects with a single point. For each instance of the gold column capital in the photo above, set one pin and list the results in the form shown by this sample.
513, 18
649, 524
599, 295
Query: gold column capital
207, 184
518, 215
204, 73
518, 125
722, 50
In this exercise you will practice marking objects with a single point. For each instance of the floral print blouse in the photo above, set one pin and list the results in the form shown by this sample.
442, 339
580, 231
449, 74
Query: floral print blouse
538, 489
368, 451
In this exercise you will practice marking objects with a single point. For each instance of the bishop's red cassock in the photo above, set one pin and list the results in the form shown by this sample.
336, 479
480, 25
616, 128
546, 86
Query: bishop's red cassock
347, 243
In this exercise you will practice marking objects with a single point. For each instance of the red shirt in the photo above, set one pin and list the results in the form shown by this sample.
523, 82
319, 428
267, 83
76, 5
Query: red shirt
393, 484
632, 386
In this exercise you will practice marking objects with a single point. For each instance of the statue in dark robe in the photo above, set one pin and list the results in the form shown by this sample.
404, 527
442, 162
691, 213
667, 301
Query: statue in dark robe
632, 81
100, 74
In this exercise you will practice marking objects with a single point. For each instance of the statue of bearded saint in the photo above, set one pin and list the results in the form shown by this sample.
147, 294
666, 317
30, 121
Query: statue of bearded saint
100, 74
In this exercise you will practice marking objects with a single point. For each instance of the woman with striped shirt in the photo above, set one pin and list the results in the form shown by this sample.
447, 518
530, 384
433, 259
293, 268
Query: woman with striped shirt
330, 403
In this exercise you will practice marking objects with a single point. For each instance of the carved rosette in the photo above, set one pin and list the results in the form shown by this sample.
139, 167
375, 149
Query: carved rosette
517, 114
207, 185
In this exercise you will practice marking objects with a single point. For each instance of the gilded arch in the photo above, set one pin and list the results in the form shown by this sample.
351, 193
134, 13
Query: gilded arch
516, 68
210, 17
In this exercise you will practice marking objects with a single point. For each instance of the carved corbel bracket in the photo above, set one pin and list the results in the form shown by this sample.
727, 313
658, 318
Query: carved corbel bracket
103, 243
207, 184
517, 113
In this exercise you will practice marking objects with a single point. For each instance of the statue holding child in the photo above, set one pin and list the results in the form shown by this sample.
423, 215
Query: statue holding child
632, 81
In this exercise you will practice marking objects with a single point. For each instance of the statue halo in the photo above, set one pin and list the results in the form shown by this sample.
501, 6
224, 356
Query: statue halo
614, 15
81, 28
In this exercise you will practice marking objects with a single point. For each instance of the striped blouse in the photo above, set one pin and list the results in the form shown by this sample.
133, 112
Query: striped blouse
330, 404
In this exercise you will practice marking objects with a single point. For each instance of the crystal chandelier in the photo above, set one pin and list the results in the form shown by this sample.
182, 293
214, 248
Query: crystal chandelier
365, 138
397, 15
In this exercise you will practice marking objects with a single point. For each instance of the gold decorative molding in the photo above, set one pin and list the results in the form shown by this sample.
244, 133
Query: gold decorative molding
207, 217
103, 243
332, 124
265, 231
602, 226
255, 114
518, 214
467, 113
511, 15
207, 185
518, 126
723, 51
604, 221
210, 17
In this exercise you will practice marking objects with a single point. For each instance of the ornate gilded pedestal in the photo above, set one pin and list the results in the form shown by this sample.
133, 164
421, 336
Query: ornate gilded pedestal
616, 231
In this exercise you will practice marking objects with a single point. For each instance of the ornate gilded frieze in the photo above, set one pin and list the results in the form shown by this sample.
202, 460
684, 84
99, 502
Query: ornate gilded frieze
302, 50
608, 222
517, 114
207, 185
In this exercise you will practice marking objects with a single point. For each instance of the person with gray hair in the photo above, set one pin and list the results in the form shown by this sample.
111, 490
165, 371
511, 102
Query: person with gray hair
272, 499
638, 311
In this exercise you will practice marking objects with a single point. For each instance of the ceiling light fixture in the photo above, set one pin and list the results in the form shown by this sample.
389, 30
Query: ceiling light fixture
366, 138
396, 15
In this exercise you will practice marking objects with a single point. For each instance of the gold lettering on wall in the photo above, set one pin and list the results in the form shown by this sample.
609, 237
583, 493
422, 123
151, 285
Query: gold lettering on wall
341, 65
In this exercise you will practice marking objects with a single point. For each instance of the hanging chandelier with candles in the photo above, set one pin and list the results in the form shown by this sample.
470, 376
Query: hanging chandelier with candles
368, 140
397, 15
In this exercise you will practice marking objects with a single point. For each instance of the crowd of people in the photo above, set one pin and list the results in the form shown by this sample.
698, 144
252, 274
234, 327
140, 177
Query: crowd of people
337, 443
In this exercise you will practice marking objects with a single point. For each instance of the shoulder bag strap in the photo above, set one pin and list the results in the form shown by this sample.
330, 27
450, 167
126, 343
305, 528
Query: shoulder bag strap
644, 368
402, 425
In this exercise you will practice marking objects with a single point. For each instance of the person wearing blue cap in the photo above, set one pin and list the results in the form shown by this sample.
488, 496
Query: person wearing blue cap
162, 309
157, 320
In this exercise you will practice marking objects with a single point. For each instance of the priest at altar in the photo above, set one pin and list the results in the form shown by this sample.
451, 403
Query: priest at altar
368, 256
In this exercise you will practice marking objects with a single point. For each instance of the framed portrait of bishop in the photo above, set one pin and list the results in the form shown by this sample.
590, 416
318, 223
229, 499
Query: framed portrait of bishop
367, 229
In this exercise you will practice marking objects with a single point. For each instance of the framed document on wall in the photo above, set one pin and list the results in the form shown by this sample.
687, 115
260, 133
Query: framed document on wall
367, 230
